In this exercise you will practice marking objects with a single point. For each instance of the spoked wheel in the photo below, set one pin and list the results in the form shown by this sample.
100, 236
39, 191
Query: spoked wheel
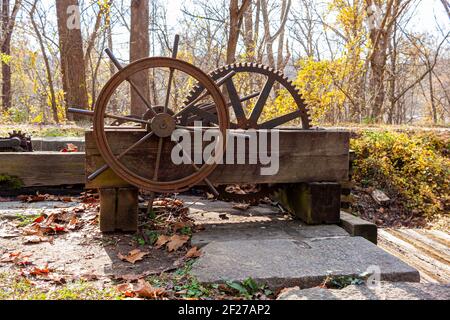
159, 123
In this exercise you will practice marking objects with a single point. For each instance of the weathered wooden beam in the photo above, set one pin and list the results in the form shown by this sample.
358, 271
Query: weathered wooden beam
44, 168
304, 156
119, 209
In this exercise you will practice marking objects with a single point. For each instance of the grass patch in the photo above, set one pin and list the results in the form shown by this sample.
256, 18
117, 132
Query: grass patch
19, 288
26, 219
187, 286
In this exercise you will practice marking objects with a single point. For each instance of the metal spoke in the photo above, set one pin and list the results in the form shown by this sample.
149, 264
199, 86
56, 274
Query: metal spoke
158, 159
187, 109
206, 180
133, 86
105, 167
172, 70
280, 120
211, 106
107, 115
235, 101
257, 110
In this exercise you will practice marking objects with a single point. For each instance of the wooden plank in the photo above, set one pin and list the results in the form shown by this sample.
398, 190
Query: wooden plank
44, 168
304, 156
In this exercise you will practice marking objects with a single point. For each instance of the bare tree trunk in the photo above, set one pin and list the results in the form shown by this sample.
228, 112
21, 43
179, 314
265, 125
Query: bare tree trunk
446, 5
112, 67
7, 29
249, 39
139, 48
72, 58
269, 39
236, 17
380, 37
432, 100
46, 62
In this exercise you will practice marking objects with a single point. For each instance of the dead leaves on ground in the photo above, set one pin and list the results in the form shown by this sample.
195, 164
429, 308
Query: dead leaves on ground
17, 257
143, 289
241, 206
133, 256
194, 252
43, 197
173, 243
70, 147
45, 226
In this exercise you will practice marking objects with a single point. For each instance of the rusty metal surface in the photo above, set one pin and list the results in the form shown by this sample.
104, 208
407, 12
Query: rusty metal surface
16, 142
274, 78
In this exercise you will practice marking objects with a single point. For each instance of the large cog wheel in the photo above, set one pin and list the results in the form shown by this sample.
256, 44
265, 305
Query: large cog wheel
274, 79
256, 192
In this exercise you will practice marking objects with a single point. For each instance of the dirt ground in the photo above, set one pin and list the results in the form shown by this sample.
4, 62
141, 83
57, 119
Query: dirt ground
50, 244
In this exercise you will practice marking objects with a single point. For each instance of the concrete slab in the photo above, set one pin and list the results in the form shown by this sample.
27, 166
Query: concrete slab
57, 143
206, 212
386, 291
282, 263
264, 230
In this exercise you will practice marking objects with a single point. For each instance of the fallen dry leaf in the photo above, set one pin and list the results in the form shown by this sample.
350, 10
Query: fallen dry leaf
39, 219
241, 206
133, 256
126, 289
35, 239
182, 224
176, 242
73, 223
39, 271
162, 240
70, 147
17, 258
146, 290
193, 253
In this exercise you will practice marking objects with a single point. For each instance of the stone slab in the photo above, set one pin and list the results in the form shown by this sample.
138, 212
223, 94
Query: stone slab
282, 263
385, 291
57, 143
294, 230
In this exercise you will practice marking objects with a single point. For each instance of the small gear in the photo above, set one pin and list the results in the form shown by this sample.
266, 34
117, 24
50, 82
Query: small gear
25, 141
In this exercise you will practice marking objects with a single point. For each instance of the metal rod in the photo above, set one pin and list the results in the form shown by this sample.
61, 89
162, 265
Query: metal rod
172, 70
135, 88
219, 83
105, 167
107, 115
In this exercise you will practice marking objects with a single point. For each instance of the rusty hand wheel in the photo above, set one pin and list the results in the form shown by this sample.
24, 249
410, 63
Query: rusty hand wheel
158, 126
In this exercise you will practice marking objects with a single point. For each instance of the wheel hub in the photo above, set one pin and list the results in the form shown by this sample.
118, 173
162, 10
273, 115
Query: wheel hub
163, 125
